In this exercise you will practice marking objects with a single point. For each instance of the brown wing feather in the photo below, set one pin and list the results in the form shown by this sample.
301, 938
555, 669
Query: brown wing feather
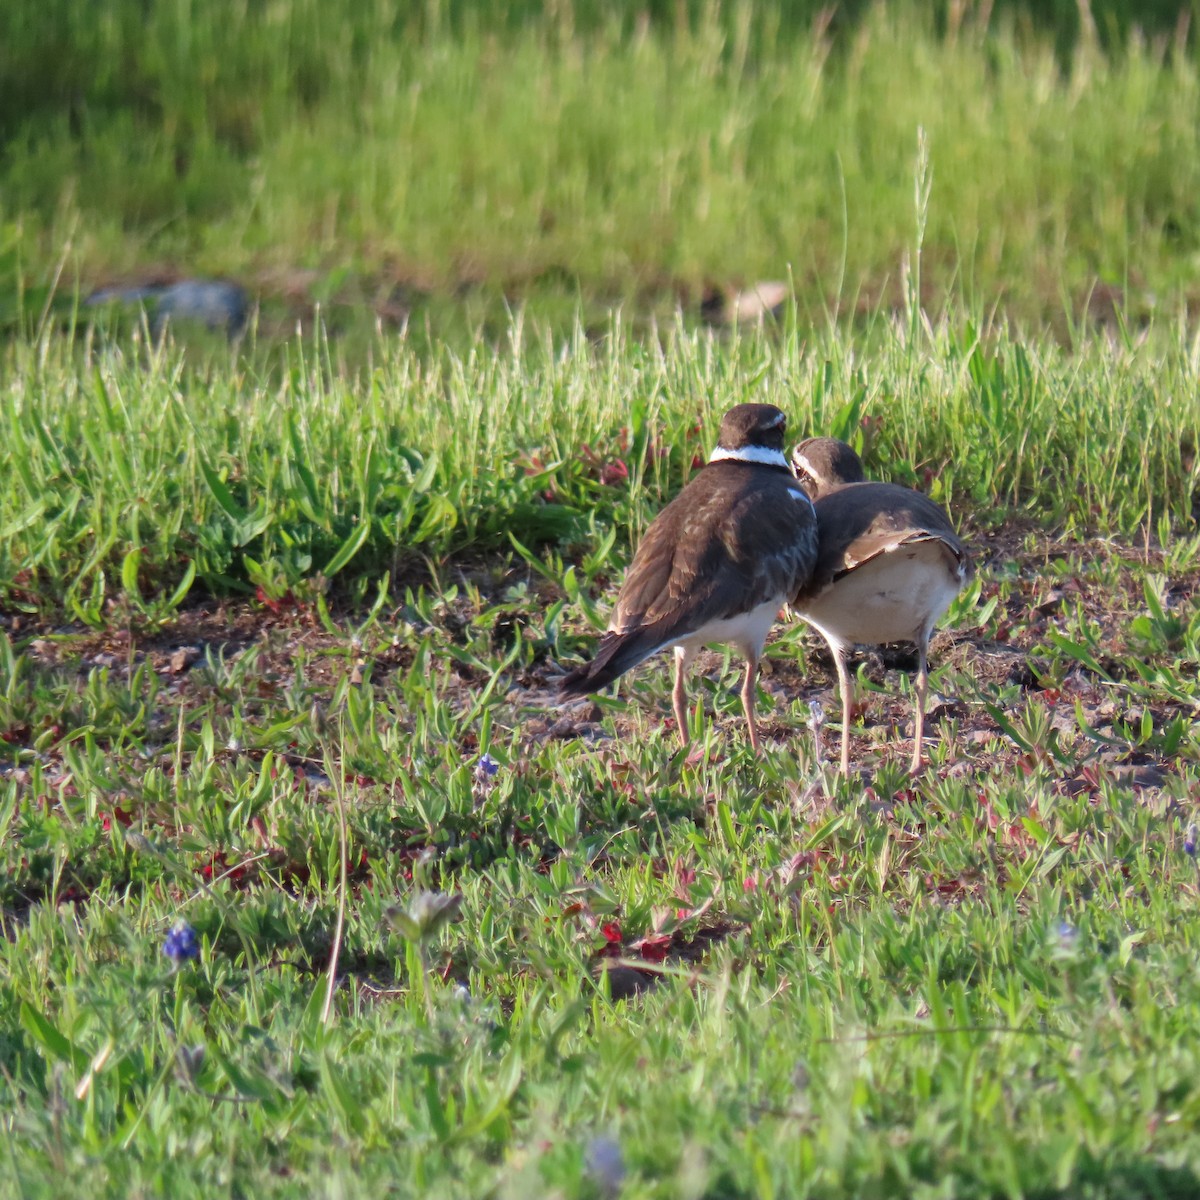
860, 521
683, 577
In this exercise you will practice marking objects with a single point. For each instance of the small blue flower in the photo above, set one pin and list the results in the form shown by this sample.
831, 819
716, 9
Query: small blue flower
181, 943
605, 1164
488, 766
1068, 935
1189, 842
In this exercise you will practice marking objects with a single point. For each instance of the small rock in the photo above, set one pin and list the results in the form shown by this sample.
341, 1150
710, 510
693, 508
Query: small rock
940, 705
1050, 602
183, 658
214, 303
747, 307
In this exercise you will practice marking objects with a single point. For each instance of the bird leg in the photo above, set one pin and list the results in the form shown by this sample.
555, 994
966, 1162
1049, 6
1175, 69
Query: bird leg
839, 658
678, 698
748, 700
922, 688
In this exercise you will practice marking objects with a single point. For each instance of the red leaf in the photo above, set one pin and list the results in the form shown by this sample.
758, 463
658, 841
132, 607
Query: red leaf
654, 949
265, 600
613, 473
952, 888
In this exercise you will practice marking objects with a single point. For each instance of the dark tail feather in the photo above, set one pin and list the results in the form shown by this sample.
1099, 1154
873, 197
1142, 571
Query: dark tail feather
617, 654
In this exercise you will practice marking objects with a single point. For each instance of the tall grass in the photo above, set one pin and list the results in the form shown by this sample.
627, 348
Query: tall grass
129, 469
615, 156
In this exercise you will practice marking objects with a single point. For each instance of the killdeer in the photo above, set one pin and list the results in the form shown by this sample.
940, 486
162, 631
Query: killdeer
888, 565
716, 564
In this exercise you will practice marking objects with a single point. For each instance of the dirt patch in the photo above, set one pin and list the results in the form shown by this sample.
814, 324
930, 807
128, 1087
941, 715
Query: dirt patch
1034, 586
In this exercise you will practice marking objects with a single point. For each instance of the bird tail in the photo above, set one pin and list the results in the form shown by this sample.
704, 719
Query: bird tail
617, 654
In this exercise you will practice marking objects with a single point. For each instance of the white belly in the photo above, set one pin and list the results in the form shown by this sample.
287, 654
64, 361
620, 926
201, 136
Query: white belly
747, 631
892, 598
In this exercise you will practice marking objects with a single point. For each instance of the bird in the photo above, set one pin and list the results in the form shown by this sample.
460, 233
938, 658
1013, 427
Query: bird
889, 563
715, 566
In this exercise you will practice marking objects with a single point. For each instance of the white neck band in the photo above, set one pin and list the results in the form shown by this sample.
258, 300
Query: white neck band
751, 454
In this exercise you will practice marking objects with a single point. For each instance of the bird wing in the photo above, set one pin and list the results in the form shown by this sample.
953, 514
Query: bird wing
861, 521
731, 540
734, 538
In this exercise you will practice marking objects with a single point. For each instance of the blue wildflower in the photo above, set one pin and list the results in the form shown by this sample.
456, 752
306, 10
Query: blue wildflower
488, 766
1068, 935
1189, 842
605, 1164
181, 943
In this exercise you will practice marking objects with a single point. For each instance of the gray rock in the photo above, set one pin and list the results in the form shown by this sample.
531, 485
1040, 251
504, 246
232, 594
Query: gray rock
213, 303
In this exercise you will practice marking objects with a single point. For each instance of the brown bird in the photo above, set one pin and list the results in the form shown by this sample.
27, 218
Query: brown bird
716, 565
888, 565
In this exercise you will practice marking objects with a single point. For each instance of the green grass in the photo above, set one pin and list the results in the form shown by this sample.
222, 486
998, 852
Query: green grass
864, 990
975, 985
345, 155
280, 621
129, 477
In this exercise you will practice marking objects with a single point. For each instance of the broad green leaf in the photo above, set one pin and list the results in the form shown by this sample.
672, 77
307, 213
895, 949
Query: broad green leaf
343, 1099
725, 820
255, 524
221, 493
51, 1039
440, 517
252, 1087
178, 596
349, 548
29, 517
1036, 830
129, 573
438, 1115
